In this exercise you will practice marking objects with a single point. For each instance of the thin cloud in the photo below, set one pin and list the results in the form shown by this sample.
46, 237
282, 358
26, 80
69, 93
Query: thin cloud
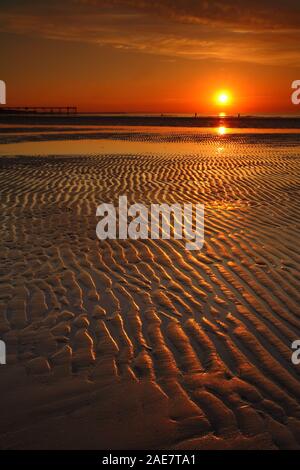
186, 29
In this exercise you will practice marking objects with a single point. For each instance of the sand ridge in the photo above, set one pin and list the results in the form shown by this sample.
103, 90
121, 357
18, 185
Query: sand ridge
143, 344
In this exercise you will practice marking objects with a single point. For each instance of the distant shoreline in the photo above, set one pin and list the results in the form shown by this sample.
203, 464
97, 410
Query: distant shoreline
160, 121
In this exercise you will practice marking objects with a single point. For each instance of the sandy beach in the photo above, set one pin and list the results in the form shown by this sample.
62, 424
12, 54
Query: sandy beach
142, 344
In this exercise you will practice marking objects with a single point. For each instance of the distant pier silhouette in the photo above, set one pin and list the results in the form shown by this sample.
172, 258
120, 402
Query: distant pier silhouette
40, 109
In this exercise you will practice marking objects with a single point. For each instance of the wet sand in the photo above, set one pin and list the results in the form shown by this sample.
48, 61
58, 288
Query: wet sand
124, 344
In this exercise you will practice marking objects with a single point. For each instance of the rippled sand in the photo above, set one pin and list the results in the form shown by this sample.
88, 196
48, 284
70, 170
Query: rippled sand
143, 344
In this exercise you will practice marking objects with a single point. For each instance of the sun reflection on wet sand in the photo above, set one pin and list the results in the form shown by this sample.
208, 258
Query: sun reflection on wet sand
221, 130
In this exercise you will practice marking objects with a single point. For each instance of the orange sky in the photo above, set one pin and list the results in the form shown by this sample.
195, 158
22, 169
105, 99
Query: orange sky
172, 58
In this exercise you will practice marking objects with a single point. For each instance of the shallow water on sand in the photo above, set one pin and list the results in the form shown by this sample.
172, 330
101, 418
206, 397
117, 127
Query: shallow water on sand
133, 140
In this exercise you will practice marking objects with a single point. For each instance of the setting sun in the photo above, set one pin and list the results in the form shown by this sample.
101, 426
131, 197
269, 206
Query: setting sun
223, 97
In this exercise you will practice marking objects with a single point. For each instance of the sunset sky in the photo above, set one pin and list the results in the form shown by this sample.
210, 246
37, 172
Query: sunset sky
158, 56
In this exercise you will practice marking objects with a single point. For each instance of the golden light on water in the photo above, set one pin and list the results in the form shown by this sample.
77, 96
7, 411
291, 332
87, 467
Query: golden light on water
221, 130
